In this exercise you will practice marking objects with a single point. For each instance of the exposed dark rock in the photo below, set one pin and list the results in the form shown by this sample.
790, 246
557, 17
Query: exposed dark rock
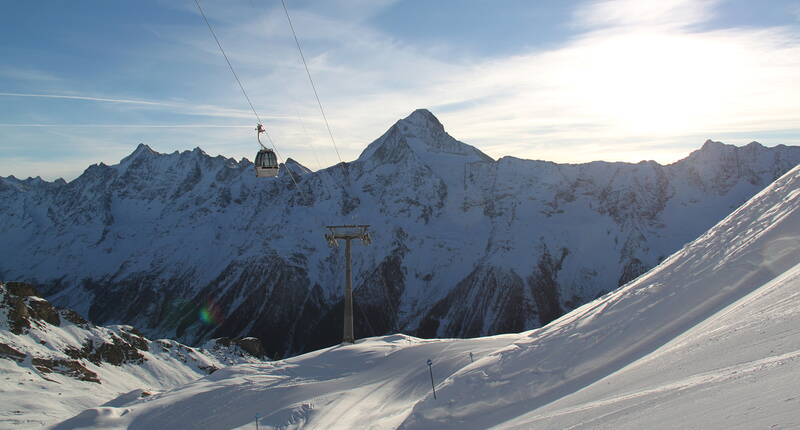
10, 353
18, 316
281, 292
71, 368
134, 338
248, 345
24, 305
544, 285
379, 292
252, 346
73, 317
208, 369
466, 310
632, 269
42, 310
117, 353
22, 289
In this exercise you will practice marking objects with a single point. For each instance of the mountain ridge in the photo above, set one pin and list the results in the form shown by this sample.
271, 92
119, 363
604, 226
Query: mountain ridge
464, 245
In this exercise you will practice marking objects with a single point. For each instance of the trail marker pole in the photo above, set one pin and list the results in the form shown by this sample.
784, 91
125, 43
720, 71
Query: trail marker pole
470, 358
430, 369
257, 417
348, 233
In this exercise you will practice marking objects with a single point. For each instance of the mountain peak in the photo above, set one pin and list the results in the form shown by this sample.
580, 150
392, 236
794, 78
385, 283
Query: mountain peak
141, 151
422, 134
711, 144
423, 117
295, 167
712, 149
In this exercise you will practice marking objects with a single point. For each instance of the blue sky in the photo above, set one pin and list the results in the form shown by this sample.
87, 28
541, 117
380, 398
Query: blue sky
568, 81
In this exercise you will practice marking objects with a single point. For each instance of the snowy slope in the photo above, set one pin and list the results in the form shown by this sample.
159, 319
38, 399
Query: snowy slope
53, 364
463, 245
738, 369
741, 254
707, 339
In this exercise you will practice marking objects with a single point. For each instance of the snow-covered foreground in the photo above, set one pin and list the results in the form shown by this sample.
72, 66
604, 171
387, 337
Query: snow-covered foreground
54, 364
708, 339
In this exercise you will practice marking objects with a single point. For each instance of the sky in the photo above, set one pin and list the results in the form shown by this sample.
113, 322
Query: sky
567, 81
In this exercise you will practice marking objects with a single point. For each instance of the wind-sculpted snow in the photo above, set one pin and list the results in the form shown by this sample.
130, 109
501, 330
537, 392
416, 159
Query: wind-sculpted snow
755, 244
708, 339
191, 247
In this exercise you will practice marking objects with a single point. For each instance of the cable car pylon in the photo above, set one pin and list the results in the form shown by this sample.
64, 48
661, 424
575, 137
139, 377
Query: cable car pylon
348, 233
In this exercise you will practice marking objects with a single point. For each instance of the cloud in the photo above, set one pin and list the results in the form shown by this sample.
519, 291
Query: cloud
183, 108
201, 125
636, 80
619, 13
26, 74
85, 98
639, 85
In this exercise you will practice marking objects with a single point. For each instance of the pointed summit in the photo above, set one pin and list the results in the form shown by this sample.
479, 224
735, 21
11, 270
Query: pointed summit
294, 167
141, 151
419, 135
423, 118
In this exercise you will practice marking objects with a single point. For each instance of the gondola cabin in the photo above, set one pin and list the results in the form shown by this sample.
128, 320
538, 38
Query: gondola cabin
266, 164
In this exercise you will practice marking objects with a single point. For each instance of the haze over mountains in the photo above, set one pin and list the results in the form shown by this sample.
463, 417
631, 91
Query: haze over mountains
463, 245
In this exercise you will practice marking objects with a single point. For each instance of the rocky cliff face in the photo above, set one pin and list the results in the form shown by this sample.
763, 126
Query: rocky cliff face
193, 247
61, 341
62, 363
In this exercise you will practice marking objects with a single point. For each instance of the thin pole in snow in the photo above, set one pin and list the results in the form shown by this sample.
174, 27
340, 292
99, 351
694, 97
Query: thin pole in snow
257, 417
430, 369
470, 358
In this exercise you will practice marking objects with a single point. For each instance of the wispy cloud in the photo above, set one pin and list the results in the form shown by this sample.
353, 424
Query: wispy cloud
170, 106
27, 74
202, 125
660, 13
86, 98
638, 79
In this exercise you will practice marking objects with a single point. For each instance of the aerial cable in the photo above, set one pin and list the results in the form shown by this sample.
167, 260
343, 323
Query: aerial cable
313, 87
288, 170
260, 128
227, 60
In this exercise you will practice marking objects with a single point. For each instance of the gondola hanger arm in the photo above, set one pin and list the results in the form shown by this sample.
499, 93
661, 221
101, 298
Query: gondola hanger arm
260, 129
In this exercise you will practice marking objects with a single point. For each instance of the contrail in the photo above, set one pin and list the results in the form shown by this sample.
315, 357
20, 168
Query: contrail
128, 125
94, 99
182, 108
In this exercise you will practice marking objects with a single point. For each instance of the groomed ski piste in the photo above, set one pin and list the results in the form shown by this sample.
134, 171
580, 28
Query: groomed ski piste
708, 339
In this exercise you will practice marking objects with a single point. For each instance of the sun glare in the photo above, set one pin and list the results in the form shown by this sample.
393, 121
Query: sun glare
650, 83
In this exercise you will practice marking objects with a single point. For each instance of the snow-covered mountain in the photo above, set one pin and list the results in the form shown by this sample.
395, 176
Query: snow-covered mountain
55, 364
463, 245
708, 339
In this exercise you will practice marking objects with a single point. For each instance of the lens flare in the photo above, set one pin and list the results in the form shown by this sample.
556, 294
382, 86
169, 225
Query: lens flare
210, 314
